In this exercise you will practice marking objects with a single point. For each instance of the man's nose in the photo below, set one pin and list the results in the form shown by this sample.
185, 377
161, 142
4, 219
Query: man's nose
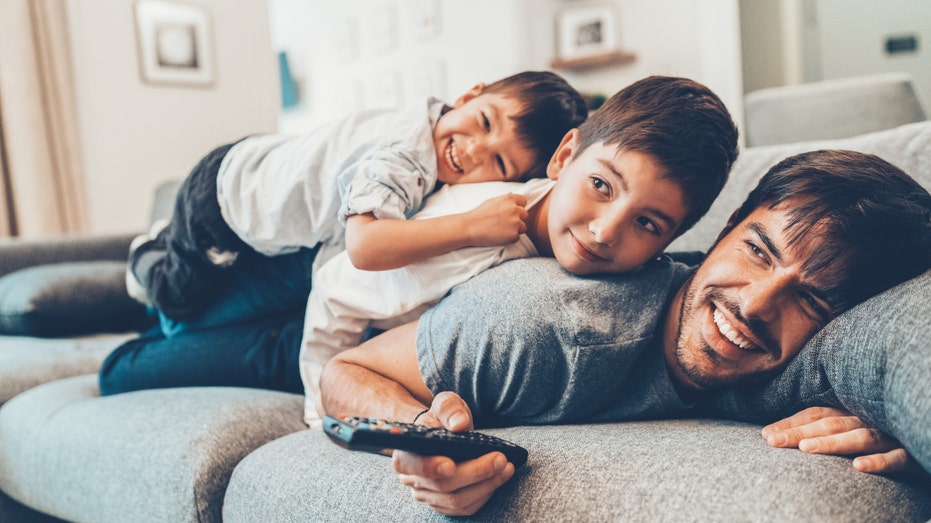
764, 297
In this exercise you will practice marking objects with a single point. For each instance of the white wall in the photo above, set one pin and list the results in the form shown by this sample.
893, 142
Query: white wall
135, 135
482, 40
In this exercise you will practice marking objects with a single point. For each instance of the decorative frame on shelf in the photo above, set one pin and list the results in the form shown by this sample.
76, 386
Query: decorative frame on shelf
174, 42
586, 37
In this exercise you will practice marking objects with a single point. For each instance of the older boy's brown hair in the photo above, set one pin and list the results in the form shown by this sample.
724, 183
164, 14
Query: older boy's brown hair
682, 124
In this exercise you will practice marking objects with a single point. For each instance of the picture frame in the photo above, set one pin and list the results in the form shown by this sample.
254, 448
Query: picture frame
585, 31
175, 43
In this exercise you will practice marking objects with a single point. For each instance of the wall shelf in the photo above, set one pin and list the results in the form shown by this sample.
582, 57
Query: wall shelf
593, 61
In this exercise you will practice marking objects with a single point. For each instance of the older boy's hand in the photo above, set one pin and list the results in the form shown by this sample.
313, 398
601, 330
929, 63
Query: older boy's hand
454, 489
822, 430
497, 221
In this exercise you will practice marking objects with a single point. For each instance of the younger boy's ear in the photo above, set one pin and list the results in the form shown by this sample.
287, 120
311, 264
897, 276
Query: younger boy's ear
470, 94
563, 155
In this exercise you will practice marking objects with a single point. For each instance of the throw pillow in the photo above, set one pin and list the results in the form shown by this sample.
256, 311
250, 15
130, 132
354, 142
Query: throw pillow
69, 299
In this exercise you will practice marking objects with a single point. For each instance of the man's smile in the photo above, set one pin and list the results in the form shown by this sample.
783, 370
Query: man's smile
731, 338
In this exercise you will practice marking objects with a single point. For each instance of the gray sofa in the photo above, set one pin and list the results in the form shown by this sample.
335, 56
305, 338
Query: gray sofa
206, 454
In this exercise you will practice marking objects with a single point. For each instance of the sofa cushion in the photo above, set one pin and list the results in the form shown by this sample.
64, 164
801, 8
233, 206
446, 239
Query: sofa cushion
29, 361
907, 147
68, 299
693, 470
154, 455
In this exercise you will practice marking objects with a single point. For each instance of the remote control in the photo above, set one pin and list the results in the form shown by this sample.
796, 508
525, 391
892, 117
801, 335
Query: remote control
375, 435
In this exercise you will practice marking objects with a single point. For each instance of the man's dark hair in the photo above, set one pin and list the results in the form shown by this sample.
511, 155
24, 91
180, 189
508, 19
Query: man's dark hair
682, 124
873, 221
551, 108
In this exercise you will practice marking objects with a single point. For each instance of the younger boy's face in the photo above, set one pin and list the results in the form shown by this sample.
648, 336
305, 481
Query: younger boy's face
610, 210
476, 141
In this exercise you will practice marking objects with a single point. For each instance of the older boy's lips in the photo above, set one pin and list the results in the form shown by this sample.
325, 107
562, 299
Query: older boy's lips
583, 251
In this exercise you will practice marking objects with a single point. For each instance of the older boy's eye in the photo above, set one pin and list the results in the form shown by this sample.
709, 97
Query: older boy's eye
599, 185
650, 226
486, 123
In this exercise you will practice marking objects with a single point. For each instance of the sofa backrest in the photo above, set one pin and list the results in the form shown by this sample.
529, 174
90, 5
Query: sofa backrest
907, 147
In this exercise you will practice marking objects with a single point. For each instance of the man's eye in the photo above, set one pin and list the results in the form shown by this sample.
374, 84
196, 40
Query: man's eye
758, 252
486, 124
813, 305
650, 226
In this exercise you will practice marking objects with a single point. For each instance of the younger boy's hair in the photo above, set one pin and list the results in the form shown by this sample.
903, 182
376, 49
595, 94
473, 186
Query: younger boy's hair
679, 122
550, 109
872, 220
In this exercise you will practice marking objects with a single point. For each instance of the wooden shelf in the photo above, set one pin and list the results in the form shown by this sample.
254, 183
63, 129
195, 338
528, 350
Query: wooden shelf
593, 61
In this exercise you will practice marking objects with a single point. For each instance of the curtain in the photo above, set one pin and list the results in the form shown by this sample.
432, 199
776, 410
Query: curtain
42, 190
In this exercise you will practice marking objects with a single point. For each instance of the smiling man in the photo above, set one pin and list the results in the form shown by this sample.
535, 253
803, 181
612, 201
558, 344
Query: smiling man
822, 232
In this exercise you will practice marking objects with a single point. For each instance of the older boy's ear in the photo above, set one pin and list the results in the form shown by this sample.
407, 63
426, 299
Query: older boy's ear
476, 90
563, 155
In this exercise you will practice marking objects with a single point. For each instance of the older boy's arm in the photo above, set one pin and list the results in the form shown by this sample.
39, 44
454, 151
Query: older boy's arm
824, 430
377, 245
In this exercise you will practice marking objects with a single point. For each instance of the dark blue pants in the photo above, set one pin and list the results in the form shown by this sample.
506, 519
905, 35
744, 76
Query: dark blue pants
258, 354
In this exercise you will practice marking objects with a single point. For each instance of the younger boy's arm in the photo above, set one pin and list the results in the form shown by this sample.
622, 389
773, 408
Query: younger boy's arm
377, 245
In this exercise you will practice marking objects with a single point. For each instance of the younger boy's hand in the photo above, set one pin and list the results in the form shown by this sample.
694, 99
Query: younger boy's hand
823, 430
454, 489
497, 221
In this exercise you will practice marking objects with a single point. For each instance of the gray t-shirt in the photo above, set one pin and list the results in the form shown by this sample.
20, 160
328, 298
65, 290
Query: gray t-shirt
527, 342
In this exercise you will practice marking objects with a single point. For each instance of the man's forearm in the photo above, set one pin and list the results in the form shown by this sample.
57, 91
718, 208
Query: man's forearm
349, 389
380, 378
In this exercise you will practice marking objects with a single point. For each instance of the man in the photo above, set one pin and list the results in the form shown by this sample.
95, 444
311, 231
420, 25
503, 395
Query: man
822, 232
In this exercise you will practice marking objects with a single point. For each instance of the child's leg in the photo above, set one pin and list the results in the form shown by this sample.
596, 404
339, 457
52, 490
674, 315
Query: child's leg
261, 354
189, 262
260, 287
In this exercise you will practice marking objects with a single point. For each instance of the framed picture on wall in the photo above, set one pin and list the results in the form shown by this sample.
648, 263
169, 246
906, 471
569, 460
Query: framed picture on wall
174, 42
585, 31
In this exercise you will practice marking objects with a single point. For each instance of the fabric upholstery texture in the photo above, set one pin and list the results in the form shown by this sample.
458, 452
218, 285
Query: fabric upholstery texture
68, 299
693, 470
831, 109
26, 362
155, 455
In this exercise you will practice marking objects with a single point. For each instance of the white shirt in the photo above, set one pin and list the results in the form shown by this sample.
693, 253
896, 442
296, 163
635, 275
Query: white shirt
344, 301
279, 193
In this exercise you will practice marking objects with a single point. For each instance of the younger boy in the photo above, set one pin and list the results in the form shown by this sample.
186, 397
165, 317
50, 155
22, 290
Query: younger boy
640, 171
359, 177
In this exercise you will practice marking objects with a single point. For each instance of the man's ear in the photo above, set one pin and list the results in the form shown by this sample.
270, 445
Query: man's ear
563, 155
476, 90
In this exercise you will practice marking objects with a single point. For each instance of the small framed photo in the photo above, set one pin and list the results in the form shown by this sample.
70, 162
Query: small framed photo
585, 31
174, 41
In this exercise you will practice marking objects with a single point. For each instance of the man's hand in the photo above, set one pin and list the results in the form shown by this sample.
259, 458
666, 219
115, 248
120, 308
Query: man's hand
497, 221
822, 430
454, 489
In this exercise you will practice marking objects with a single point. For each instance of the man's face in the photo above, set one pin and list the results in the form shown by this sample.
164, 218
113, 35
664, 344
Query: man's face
477, 141
610, 210
749, 308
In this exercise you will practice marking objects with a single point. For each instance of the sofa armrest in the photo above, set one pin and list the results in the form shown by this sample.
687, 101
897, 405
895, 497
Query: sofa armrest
19, 253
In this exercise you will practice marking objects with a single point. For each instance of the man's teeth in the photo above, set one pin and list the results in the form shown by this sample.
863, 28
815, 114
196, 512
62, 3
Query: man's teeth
453, 157
729, 332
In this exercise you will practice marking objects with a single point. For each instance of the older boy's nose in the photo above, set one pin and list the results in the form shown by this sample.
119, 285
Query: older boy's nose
606, 229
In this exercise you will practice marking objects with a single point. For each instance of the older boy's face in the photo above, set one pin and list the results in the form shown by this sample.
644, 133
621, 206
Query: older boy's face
610, 210
749, 308
476, 141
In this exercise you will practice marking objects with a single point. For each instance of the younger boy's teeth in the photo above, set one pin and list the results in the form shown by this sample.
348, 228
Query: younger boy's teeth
452, 157
729, 332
